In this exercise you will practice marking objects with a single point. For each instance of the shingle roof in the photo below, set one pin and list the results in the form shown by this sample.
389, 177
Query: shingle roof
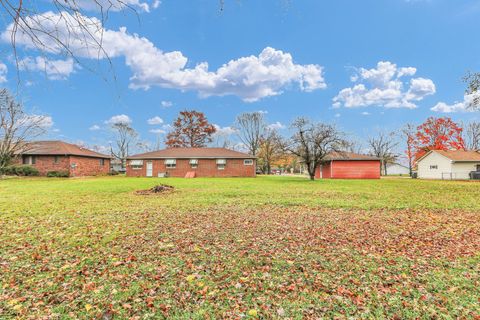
460, 155
57, 148
185, 153
348, 156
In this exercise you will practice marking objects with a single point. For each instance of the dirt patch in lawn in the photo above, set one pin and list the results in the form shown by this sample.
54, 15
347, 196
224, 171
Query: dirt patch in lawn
156, 190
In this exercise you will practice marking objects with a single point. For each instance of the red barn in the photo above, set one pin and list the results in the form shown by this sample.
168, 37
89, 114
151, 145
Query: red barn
347, 165
47, 156
191, 162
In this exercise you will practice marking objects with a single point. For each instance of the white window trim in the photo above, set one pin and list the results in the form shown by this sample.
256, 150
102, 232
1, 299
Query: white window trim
248, 162
221, 166
222, 161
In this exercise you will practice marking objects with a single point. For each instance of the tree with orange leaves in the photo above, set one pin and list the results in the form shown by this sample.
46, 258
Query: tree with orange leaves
438, 134
190, 130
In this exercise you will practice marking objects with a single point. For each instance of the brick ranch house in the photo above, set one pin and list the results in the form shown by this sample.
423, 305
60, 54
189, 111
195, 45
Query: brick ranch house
347, 165
191, 162
48, 156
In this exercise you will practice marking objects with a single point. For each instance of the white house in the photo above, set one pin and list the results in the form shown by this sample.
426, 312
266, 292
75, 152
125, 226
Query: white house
451, 165
397, 169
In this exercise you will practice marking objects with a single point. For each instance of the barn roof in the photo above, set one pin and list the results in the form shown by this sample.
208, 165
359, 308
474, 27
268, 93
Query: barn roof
457, 155
349, 156
186, 153
60, 148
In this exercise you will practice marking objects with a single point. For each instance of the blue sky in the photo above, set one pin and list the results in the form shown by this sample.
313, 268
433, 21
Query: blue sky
364, 65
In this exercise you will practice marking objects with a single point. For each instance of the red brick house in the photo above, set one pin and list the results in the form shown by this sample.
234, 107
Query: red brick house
48, 156
191, 162
347, 165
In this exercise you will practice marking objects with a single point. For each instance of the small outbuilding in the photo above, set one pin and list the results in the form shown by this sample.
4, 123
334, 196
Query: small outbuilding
47, 156
192, 162
449, 165
347, 165
397, 169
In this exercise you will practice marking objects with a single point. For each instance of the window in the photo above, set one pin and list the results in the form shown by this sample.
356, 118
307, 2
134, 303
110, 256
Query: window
478, 167
136, 164
433, 167
29, 160
248, 162
193, 163
56, 159
102, 162
221, 164
171, 163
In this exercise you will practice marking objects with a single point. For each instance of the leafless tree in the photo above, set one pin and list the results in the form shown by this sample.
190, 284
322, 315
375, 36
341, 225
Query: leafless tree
17, 128
353, 146
383, 147
251, 127
312, 142
270, 149
472, 136
408, 135
125, 137
473, 89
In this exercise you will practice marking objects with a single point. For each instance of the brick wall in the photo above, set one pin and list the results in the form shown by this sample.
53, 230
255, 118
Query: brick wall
206, 168
86, 166
44, 164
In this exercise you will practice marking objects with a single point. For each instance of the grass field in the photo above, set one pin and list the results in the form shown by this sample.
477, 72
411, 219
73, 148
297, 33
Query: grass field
270, 247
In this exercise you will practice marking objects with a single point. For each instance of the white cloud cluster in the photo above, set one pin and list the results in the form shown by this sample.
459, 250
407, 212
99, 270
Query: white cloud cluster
250, 78
155, 120
44, 122
54, 69
166, 104
157, 131
95, 127
224, 131
462, 106
276, 126
385, 86
119, 119
117, 5
3, 72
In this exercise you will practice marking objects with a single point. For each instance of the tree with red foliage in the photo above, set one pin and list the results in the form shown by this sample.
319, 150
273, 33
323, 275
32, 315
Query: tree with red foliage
190, 130
438, 134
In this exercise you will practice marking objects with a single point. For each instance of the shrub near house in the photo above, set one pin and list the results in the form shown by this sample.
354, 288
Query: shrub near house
197, 162
58, 158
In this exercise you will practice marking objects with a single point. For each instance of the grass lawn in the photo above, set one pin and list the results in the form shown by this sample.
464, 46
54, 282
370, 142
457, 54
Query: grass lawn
270, 247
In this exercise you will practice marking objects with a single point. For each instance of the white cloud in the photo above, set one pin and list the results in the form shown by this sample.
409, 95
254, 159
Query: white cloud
155, 120
276, 126
94, 128
115, 5
224, 131
3, 72
250, 78
384, 86
157, 131
121, 118
365, 113
462, 106
45, 122
167, 127
54, 69
166, 104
